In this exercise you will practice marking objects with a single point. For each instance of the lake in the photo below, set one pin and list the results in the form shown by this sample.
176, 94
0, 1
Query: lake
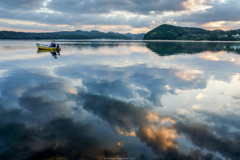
138, 100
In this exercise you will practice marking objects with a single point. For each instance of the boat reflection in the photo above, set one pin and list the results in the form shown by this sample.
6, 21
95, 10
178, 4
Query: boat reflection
54, 54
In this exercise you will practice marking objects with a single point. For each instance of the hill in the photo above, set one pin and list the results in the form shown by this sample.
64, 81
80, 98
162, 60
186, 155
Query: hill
133, 36
23, 35
95, 34
170, 32
62, 35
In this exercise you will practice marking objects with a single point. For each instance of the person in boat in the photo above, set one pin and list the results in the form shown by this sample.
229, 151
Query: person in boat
53, 44
58, 48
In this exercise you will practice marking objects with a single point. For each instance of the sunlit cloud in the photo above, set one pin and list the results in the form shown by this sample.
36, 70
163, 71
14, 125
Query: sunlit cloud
162, 138
196, 5
216, 25
200, 96
188, 75
167, 120
119, 131
196, 106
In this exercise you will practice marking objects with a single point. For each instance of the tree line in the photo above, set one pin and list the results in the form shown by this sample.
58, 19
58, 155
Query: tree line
59, 35
170, 32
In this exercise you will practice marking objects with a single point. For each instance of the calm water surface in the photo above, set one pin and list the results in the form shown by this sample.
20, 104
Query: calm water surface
121, 99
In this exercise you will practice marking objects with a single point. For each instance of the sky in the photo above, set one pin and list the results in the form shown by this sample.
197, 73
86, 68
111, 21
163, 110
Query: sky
123, 16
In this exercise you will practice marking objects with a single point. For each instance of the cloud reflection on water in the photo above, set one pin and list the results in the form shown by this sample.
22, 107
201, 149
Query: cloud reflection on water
85, 110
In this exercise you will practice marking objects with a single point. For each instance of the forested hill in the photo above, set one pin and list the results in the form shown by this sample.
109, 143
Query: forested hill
23, 35
62, 35
170, 32
94, 34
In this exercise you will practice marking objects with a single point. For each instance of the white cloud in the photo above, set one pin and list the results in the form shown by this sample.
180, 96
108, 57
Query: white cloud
182, 111
196, 106
200, 96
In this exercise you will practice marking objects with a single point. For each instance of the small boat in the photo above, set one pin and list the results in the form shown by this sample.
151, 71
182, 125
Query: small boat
46, 47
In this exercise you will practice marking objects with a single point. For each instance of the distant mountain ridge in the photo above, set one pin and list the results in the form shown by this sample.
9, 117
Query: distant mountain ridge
133, 36
78, 34
94, 34
170, 32
162, 32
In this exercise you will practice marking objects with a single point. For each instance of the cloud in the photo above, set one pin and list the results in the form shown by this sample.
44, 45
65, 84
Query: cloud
37, 122
224, 121
236, 96
107, 6
218, 12
39, 27
196, 107
58, 138
129, 14
151, 128
22, 5
122, 116
140, 88
38, 105
201, 136
78, 13
200, 96
182, 111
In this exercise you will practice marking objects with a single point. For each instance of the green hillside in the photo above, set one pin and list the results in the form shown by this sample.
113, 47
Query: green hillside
170, 32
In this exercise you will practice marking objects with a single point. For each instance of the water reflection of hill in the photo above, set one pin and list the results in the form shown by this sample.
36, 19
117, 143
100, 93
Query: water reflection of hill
167, 48
100, 44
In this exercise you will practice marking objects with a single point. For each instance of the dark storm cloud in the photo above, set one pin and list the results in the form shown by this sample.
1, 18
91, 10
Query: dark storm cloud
87, 12
128, 117
225, 121
70, 19
203, 137
38, 102
21, 4
117, 113
35, 105
10, 114
107, 6
58, 138
37, 129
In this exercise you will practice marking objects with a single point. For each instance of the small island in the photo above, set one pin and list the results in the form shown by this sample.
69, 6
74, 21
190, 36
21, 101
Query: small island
170, 32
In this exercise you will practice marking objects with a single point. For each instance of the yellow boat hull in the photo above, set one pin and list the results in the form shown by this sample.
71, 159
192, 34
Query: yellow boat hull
47, 48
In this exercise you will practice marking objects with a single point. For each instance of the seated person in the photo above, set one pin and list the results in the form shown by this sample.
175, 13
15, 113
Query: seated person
53, 44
